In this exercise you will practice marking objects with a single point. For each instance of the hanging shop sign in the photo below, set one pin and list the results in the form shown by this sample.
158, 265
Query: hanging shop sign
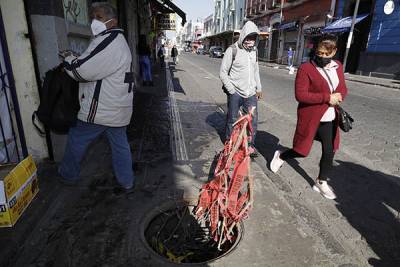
313, 31
166, 22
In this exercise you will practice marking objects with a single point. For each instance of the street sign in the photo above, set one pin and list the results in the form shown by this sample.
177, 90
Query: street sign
166, 22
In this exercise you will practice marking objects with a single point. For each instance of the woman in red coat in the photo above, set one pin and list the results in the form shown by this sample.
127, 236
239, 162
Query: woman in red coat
320, 87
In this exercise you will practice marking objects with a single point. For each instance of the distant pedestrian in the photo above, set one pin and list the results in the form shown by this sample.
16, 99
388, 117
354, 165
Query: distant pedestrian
290, 54
174, 54
144, 53
106, 97
320, 86
240, 76
161, 55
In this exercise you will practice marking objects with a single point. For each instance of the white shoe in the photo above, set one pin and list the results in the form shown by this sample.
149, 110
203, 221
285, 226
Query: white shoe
276, 162
324, 189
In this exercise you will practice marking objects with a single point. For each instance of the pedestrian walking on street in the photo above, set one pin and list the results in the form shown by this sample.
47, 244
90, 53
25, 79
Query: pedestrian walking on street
319, 88
240, 76
290, 57
144, 53
106, 97
161, 55
174, 54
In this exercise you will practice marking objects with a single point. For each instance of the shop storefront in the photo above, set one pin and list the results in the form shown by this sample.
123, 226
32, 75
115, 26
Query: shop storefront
12, 143
17, 87
290, 41
311, 35
289, 33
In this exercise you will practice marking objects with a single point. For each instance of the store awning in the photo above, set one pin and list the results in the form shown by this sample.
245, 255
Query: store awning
290, 25
158, 7
176, 9
343, 25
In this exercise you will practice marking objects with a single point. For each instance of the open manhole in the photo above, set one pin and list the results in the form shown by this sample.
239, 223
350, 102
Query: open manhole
177, 236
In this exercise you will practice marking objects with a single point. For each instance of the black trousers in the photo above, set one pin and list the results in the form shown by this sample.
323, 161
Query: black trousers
325, 135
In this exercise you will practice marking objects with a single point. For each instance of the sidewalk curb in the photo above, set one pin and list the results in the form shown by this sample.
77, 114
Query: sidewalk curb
397, 87
283, 67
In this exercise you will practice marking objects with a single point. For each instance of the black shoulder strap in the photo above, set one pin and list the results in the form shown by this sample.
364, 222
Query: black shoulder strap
103, 44
256, 55
234, 52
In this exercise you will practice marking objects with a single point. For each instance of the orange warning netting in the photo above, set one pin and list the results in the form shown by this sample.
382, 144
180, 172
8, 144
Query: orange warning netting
228, 197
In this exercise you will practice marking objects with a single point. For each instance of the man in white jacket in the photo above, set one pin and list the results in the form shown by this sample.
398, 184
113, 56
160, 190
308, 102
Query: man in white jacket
105, 91
240, 76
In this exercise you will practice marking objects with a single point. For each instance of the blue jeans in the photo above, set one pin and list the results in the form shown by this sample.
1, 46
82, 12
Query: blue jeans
80, 136
236, 101
145, 66
290, 61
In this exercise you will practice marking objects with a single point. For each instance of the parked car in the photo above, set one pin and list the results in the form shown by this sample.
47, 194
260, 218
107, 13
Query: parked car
216, 51
200, 51
210, 50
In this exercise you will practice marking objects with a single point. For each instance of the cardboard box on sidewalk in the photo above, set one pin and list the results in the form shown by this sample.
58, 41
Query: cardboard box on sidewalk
18, 186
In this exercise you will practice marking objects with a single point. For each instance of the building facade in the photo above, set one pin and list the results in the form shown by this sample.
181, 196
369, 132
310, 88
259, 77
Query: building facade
32, 34
229, 17
291, 24
209, 25
382, 56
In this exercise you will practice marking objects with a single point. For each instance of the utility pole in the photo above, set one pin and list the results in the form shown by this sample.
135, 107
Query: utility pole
280, 32
350, 38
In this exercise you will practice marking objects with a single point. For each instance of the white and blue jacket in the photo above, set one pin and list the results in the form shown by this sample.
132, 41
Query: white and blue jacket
105, 80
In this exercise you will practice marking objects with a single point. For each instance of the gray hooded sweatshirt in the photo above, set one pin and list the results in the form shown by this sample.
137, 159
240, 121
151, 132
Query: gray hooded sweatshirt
244, 75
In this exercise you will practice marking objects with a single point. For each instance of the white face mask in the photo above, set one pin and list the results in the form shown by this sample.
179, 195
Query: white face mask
98, 27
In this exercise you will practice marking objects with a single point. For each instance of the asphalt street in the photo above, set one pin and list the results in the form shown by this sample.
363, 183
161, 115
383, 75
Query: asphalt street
375, 139
175, 136
364, 220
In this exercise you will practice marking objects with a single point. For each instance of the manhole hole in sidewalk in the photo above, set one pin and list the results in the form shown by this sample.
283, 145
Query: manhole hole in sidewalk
178, 237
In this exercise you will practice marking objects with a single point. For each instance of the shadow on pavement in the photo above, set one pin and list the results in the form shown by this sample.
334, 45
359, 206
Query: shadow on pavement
369, 200
267, 144
95, 223
175, 81
218, 121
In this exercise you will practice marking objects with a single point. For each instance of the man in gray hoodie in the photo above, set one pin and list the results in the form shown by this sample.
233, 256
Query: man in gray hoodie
240, 76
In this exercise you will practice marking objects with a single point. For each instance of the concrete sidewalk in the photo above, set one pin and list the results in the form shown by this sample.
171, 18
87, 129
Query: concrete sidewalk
175, 136
280, 230
94, 224
394, 84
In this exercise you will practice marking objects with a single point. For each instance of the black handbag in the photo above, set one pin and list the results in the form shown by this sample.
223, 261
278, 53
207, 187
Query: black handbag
345, 120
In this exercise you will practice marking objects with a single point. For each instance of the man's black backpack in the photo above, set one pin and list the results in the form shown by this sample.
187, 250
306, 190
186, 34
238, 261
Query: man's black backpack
59, 102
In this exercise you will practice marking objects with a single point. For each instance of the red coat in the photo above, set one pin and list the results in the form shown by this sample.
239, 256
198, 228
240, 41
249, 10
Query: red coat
313, 94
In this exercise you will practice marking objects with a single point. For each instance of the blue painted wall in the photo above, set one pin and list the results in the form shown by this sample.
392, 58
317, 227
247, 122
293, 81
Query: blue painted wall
385, 30
340, 8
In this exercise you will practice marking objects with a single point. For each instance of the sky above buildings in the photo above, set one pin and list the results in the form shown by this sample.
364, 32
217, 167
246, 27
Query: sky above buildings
196, 9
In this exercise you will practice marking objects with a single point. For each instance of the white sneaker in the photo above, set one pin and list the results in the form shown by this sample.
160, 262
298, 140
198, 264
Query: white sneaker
276, 162
324, 189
